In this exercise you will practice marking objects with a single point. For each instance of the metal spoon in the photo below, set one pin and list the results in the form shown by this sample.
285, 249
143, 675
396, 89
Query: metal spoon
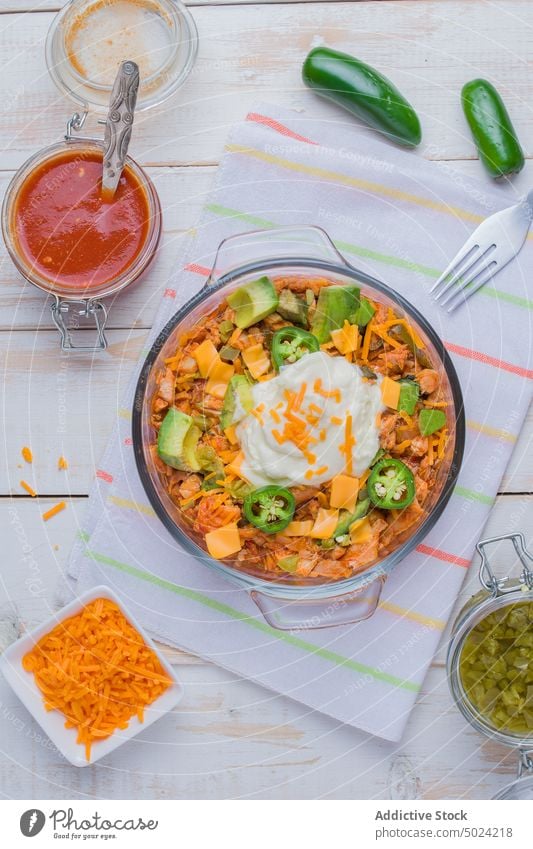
118, 126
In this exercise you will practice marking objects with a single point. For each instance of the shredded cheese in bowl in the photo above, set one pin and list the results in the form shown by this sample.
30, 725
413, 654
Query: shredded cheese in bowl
96, 669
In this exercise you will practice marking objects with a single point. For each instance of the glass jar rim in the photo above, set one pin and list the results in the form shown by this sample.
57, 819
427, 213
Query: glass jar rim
463, 627
89, 93
171, 8
103, 290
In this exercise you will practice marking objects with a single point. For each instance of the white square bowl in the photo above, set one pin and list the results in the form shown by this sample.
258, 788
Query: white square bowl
53, 722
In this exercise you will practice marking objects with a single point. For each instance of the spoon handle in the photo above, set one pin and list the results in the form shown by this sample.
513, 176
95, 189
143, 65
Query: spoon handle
118, 126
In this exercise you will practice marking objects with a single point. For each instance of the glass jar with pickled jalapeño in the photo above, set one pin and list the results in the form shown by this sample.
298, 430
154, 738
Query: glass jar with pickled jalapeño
490, 661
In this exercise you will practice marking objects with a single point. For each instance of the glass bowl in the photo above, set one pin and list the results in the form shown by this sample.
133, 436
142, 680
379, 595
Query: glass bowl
326, 262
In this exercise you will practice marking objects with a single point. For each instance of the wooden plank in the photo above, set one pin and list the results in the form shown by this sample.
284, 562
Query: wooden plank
230, 738
67, 407
21, 6
66, 403
423, 46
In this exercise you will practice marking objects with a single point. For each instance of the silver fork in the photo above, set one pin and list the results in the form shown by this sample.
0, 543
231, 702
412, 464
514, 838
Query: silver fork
495, 242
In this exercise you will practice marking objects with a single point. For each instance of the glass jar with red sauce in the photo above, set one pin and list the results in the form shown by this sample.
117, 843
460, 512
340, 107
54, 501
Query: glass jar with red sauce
65, 239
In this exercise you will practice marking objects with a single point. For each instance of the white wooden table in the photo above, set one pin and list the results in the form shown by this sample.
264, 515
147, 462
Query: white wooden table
228, 738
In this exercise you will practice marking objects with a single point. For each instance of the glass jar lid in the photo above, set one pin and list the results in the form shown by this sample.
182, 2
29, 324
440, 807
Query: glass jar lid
88, 39
522, 787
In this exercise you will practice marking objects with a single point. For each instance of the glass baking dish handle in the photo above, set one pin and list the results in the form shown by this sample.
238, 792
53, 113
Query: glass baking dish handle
305, 242
89, 309
286, 614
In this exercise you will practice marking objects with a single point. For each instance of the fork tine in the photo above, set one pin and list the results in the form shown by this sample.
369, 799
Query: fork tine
457, 261
482, 276
465, 275
464, 268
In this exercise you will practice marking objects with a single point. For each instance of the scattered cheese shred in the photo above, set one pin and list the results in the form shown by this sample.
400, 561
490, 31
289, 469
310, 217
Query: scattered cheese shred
412, 332
257, 414
62, 463
27, 454
29, 489
402, 446
366, 342
235, 336
234, 466
336, 394
96, 669
348, 445
311, 473
57, 508
300, 396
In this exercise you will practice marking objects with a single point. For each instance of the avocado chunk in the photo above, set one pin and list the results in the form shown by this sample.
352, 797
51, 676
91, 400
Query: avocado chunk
253, 302
226, 328
335, 305
293, 308
409, 395
289, 563
209, 460
238, 401
431, 420
363, 315
177, 440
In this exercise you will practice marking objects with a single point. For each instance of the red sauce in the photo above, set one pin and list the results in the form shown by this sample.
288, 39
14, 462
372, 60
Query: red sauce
68, 233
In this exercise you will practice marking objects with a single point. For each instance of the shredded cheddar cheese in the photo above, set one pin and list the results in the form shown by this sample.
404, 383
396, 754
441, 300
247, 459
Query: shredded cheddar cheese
57, 508
29, 489
96, 669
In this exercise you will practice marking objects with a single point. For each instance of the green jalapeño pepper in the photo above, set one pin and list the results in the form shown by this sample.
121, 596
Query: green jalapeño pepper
290, 344
269, 508
391, 484
494, 134
363, 91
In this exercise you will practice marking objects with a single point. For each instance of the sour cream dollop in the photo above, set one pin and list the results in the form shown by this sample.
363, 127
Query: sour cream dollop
298, 429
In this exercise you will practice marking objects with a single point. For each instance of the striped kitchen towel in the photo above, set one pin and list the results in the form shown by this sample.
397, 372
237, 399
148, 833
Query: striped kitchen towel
400, 218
